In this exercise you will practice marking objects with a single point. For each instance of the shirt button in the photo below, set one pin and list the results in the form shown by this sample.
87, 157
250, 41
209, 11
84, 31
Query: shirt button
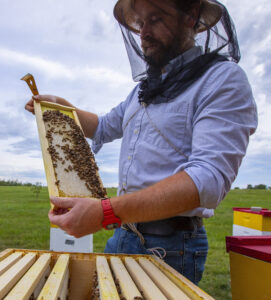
136, 131
129, 157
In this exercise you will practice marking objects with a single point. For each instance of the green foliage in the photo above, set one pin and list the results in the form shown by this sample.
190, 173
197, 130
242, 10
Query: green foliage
13, 183
258, 187
36, 189
24, 224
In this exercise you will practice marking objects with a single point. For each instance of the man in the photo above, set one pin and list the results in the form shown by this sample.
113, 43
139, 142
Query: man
184, 129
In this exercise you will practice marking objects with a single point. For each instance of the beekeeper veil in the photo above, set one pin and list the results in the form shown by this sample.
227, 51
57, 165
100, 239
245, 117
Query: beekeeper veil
204, 25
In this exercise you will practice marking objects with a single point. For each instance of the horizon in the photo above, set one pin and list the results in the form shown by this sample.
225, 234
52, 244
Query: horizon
76, 51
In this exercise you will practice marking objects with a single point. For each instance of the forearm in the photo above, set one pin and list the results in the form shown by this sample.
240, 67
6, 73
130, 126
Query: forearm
164, 199
88, 120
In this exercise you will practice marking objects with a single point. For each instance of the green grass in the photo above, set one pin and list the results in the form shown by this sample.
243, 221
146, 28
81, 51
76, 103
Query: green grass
24, 224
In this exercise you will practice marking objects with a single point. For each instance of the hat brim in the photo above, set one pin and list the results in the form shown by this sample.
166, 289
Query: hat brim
210, 14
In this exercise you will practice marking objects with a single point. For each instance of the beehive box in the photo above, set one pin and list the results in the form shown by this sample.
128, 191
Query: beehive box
45, 275
251, 221
250, 266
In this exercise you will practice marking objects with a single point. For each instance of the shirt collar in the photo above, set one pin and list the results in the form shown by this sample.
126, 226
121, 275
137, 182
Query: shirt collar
182, 60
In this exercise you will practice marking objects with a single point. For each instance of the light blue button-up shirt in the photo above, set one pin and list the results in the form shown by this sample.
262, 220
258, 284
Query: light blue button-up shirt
204, 131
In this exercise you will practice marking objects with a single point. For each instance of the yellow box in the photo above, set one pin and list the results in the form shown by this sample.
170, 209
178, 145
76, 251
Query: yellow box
251, 221
58, 275
250, 267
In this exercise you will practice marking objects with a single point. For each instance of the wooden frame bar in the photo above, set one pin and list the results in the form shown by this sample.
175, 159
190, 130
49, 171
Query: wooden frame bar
28, 284
107, 287
143, 281
192, 290
13, 275
128, 288
9, 261
56, 282
169, 289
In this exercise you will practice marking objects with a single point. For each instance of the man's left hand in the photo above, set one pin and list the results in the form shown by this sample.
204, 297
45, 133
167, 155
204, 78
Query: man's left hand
79, 217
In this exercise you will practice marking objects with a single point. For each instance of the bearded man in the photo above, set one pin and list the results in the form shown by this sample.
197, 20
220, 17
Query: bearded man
185, 129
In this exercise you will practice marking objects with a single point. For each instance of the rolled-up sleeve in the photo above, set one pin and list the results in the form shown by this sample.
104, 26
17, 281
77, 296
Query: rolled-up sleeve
222, 124
110, 125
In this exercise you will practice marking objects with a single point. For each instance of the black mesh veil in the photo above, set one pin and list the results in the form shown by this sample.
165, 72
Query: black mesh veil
212, 31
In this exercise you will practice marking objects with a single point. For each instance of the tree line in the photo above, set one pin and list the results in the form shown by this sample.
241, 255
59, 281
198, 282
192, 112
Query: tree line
14, 183
256, 187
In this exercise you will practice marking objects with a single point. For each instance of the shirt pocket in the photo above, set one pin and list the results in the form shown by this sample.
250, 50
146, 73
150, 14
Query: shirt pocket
166, 128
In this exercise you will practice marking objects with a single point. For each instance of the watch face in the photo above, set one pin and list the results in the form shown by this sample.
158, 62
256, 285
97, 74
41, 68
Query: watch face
112, 226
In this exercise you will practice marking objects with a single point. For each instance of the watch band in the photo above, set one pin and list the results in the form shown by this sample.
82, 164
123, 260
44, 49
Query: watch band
110, 221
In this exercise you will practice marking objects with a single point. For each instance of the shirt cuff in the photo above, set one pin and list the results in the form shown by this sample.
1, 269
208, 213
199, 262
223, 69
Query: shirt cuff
210, 185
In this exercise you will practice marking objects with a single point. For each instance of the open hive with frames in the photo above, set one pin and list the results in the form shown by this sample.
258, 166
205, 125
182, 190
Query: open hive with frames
47, 275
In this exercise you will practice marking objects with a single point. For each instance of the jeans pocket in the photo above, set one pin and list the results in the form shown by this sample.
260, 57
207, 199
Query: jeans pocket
199, 262
175, 260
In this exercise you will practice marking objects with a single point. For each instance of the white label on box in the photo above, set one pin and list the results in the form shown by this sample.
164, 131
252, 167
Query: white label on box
61, 241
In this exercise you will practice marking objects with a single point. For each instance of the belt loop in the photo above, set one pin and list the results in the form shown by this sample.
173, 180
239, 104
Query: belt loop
195, 225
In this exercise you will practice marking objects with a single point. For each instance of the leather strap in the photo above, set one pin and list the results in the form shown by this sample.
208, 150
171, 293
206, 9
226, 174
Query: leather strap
169, 226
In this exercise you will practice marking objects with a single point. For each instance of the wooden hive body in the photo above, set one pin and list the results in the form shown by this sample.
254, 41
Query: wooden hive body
57, 275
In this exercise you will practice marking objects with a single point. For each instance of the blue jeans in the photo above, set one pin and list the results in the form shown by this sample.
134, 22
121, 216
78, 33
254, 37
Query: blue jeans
186, 251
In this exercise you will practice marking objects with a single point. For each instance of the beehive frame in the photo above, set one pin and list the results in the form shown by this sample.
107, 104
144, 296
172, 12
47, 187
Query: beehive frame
81, 268
40, 108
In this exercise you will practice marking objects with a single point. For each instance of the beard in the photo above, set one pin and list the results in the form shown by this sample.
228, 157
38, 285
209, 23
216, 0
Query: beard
162, 54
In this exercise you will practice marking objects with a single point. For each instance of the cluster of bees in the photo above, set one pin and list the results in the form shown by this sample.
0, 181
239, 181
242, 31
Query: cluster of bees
77, 151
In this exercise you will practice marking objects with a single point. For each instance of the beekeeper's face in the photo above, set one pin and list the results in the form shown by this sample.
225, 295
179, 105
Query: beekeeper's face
163, 33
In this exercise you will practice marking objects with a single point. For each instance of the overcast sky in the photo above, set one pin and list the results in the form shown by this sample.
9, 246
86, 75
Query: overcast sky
75, 50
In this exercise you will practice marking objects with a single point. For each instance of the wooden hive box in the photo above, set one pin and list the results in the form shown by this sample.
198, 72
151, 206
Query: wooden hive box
45, 275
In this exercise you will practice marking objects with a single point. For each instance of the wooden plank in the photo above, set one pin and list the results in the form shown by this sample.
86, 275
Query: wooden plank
9, 261
107, 287
171, 291
128, 288
63, 295
192, 290
26, 286
5, 253
57, 106
48, 164
53, 286
144, 283
12, 275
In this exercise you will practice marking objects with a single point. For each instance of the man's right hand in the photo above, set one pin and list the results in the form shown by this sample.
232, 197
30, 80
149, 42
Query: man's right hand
50, 98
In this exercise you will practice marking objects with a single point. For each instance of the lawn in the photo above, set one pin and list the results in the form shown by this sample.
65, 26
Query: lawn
24, 224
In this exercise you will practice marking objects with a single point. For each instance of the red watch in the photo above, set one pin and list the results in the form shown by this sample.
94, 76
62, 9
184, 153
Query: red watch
110, 221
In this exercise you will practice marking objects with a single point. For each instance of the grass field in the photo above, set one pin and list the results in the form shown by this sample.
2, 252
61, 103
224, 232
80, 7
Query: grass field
24, 224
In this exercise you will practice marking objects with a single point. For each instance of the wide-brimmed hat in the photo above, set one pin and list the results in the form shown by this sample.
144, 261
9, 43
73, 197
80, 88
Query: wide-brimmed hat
210, 14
